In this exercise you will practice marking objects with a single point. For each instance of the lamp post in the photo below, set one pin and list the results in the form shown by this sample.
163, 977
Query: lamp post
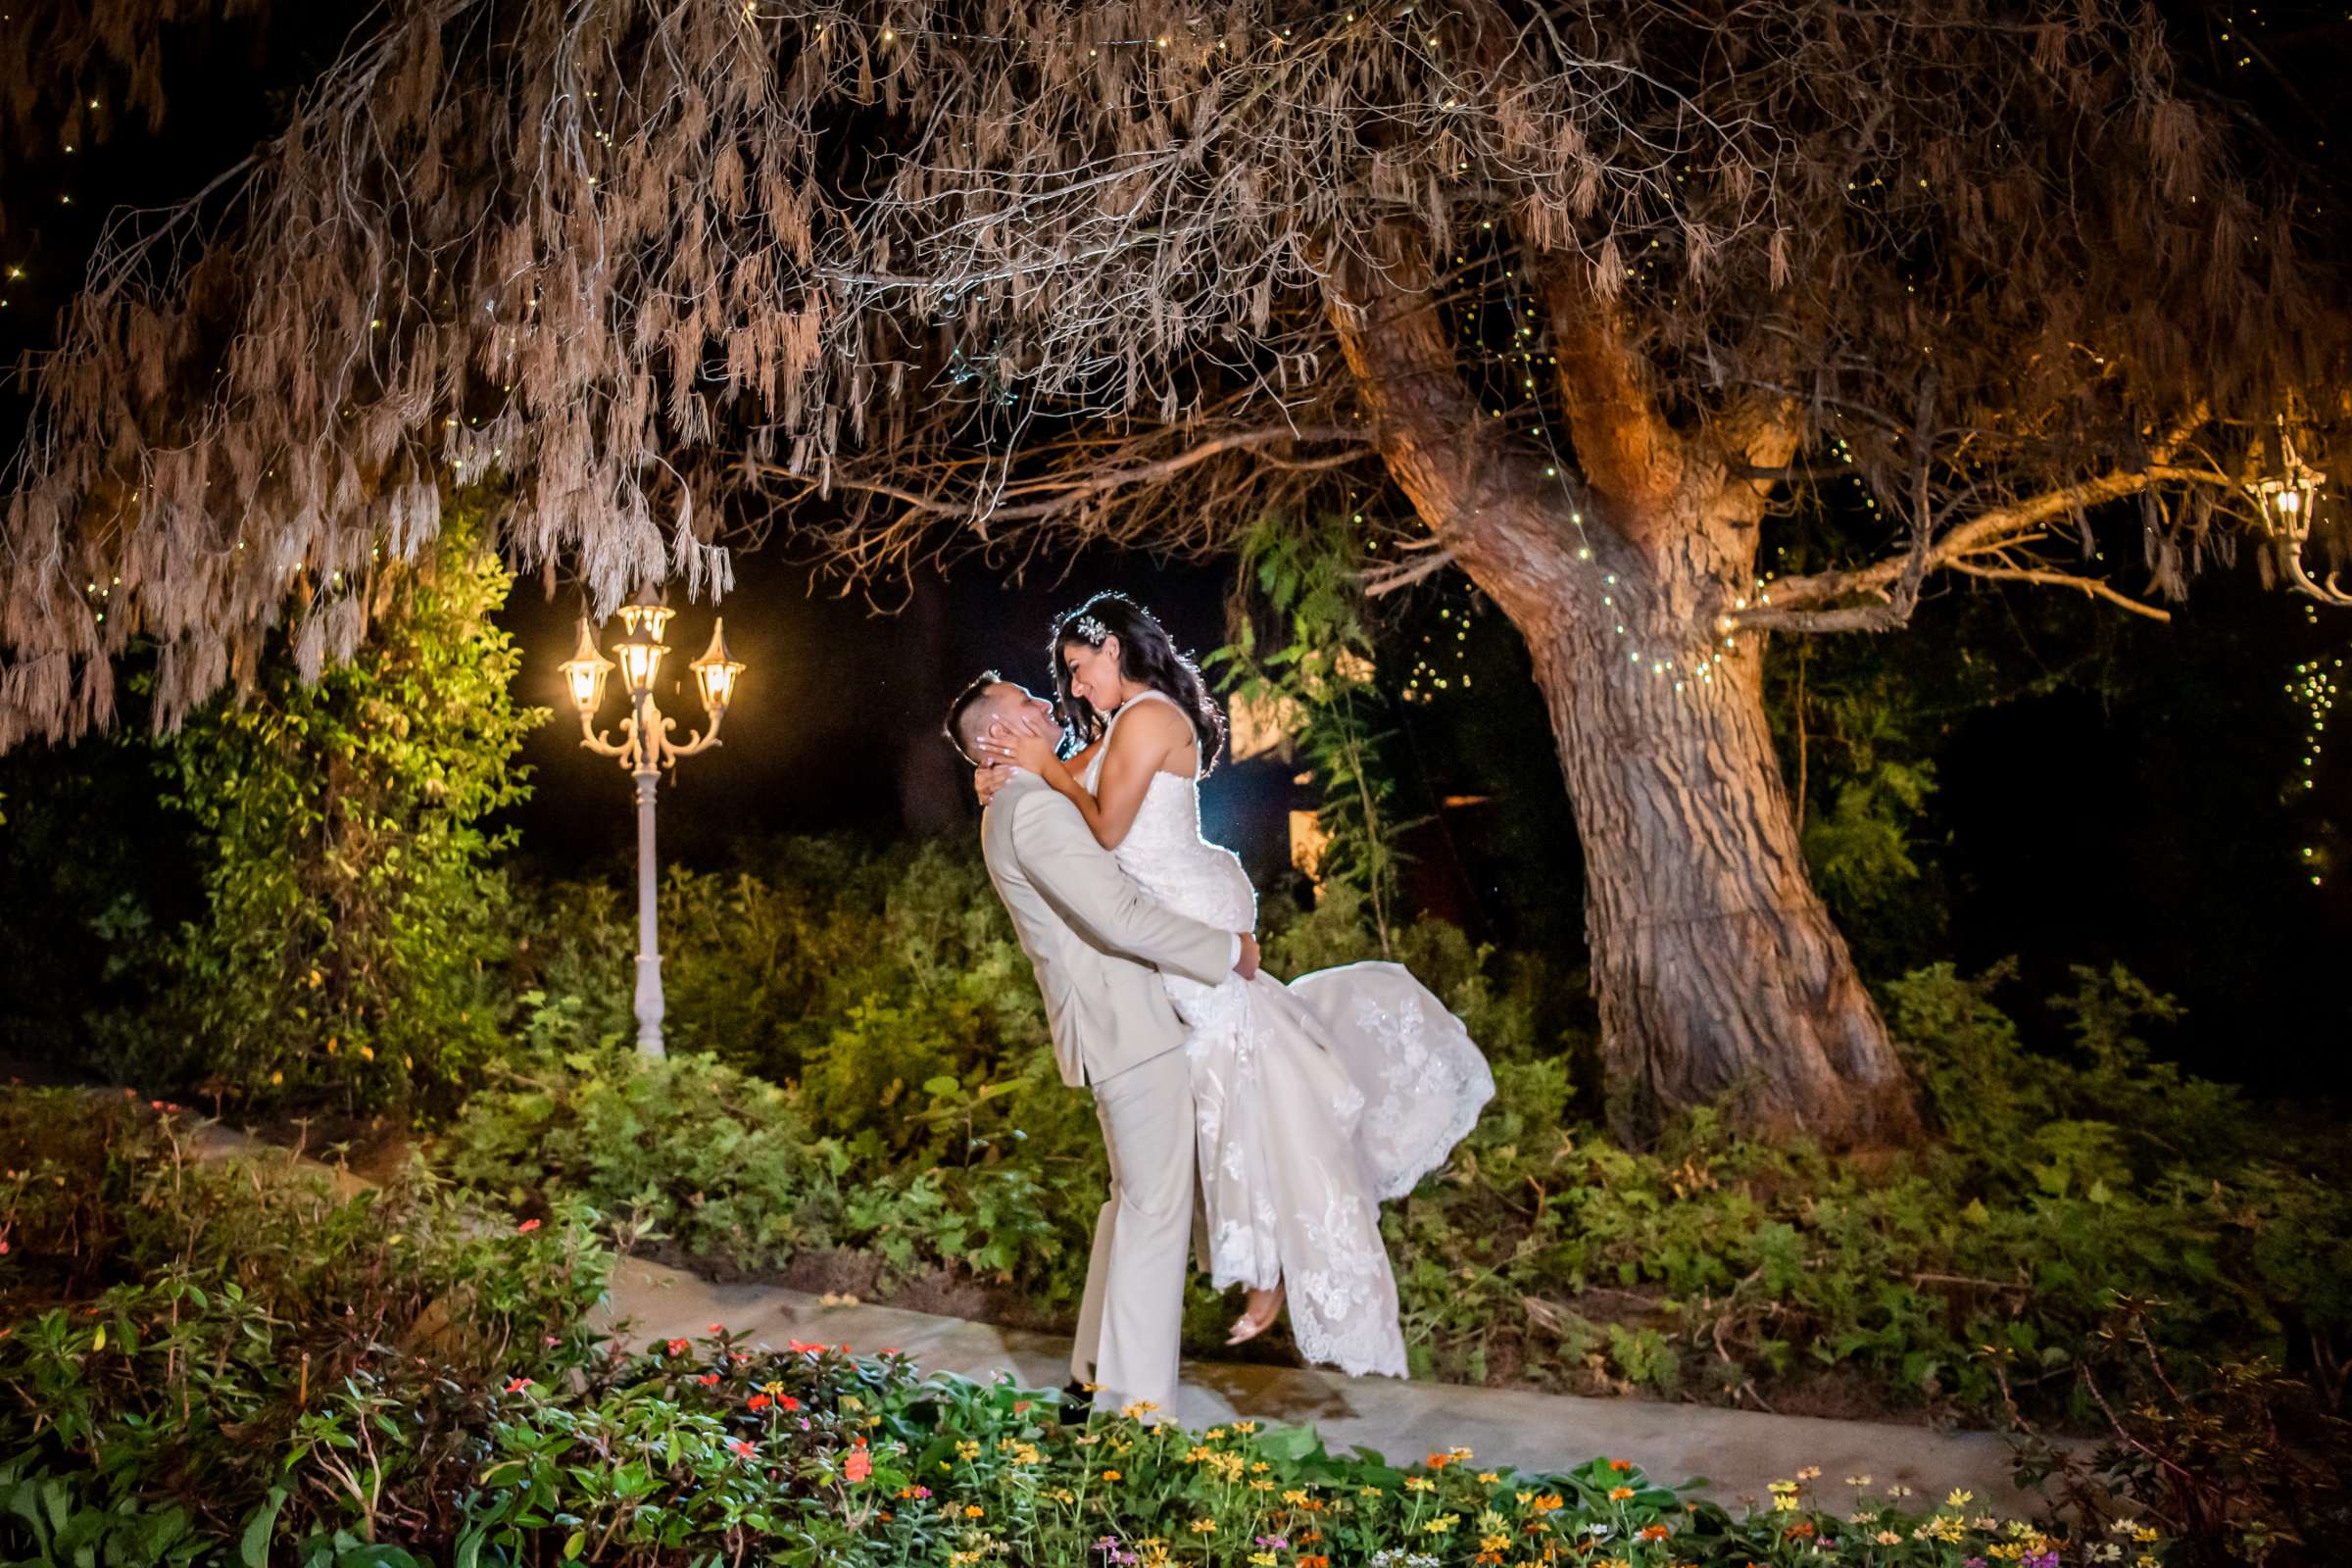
645, 749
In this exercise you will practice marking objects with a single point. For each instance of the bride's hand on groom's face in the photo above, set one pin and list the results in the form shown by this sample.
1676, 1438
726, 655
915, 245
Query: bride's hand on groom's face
1027, 742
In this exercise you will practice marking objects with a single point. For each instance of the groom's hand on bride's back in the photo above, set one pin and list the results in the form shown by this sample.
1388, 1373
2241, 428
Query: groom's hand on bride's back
1247, 964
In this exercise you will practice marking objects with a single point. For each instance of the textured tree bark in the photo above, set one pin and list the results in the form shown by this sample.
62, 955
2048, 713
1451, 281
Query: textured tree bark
1718, 972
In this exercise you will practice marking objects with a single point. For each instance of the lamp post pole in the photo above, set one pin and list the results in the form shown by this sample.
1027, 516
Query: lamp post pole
645, 749
648, 939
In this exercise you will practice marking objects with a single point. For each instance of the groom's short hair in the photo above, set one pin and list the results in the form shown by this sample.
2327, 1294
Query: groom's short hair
960, 710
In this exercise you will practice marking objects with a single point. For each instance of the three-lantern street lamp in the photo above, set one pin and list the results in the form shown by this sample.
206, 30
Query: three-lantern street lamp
645, 749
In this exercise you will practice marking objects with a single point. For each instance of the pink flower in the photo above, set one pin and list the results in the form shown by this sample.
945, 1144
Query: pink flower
741, 1447
527, 1227
718, 1328
680, 1346
859, 1465
708, 1380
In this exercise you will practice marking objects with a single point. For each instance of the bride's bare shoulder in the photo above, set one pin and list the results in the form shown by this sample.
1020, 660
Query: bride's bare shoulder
1154, 727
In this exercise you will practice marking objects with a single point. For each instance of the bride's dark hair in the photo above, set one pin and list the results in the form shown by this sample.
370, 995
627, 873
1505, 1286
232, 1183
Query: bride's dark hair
1147, 657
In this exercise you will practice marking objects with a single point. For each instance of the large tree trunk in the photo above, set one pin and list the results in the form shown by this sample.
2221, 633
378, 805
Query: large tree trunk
1718, 972
1719, 975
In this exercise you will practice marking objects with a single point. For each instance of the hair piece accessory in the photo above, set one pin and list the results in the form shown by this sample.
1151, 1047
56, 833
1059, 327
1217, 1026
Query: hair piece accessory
1093, 630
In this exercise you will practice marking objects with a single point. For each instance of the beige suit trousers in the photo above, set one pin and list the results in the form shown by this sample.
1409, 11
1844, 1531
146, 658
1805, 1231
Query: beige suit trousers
1131, 1320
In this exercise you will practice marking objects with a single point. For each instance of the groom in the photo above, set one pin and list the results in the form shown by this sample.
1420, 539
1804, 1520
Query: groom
1096, 943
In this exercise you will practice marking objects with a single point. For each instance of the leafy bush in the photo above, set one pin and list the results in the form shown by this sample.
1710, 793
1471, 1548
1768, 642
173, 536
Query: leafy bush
354, 919
727, 1168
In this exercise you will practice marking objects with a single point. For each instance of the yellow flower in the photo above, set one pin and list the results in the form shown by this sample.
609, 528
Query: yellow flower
1785, 1503
1959, 1499
972, 1510
1442, 1524
1293, 1497
1261, 1468
1419, 1484
967, 1450
1493, 1542
2143, 1533
1213, 1434
1244, 1427
1138, 1410
1112, 1475
1261, 1485
1487, 1477
1264, 1559
1889, 1538
1205, 1527
1811, 1471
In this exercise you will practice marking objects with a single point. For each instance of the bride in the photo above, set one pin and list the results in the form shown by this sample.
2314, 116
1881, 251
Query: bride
1313, 1102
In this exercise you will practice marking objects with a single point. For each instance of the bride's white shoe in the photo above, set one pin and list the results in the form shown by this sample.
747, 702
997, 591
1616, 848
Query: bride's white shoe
1265, 1308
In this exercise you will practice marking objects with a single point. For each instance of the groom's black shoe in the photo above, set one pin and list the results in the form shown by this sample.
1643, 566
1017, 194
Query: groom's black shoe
1077, 1401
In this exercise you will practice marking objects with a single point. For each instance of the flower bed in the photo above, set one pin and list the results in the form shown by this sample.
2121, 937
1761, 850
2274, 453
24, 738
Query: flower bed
197, 1367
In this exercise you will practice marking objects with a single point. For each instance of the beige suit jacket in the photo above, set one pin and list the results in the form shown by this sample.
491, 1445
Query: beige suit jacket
1095, 939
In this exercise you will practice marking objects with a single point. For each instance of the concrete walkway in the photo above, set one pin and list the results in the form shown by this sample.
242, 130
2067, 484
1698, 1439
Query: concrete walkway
1736, 1451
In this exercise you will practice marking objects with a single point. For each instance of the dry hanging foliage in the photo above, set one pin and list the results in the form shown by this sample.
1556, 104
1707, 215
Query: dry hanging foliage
928, 278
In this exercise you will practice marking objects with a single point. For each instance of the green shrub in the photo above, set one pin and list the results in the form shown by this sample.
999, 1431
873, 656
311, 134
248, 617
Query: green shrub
355, 917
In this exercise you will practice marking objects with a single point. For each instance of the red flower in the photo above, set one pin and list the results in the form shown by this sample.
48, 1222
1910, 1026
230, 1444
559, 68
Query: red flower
679, 1346
708, 1380
718, 1328
527, 1227
518, 1385
797, 1348
786, 1401
759, 1402
741, 1447
859, 1465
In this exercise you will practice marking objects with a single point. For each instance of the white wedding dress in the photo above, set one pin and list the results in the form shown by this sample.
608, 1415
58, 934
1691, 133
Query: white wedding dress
1314, 1100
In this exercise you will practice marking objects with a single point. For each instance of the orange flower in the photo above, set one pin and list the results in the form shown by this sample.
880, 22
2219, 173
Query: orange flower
859, 1466
1620, 1494
1660, 1532
1439, 1461
527, 1227
1621, 1465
